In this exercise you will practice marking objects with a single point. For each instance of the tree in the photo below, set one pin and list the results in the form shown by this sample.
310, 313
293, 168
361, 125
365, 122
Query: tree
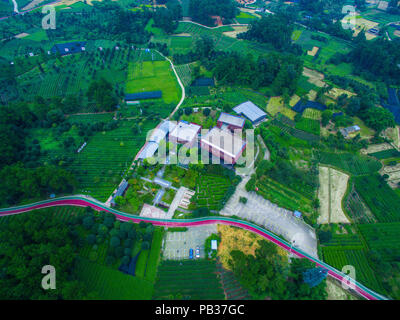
145, 245
115, 241
379, 119
326, 116
88, 222
91, 239
206, 111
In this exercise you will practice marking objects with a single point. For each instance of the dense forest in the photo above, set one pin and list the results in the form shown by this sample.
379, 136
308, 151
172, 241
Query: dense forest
281, 72
103, 20
275, 30
31, 241
202, 10
267, 276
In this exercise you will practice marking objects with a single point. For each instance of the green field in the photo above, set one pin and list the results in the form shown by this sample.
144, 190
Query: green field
309, 125
111, 284
154, 255
384, 238
99, 167
338, 258
283, 196
245, 18
390, 153
153, 76
188, 279
352, 163
379, 197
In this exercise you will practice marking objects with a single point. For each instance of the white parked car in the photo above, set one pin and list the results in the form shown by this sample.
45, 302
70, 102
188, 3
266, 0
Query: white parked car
198, 252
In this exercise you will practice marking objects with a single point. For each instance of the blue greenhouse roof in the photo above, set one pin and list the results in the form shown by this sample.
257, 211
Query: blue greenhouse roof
143, 95
69, 47
250, 111
302, 105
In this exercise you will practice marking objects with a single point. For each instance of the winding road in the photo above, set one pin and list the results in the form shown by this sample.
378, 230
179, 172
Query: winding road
85, 201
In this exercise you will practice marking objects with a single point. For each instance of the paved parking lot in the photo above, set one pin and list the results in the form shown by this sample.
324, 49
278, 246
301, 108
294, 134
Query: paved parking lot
176, 245
274, 218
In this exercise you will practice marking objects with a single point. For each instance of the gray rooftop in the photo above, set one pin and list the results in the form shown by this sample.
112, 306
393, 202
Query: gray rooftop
162, 182
231, 119
250, 111
149, 150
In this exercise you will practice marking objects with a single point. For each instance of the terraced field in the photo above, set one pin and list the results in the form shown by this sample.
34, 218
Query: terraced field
188, 279
338, 257
111, 284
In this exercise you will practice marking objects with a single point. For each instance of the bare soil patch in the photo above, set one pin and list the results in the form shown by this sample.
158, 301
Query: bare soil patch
333, 186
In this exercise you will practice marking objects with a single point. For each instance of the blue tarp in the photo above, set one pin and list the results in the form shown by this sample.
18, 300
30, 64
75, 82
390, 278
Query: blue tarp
297, 214
393, 99
143, 95
68, 48
314, 277
393, 103
302, 105
203, 82
130, 267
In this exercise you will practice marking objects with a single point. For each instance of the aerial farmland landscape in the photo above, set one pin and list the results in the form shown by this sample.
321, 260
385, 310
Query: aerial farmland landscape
222, 150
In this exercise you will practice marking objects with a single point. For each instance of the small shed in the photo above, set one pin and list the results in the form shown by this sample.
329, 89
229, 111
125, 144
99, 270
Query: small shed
214, 245
297, 214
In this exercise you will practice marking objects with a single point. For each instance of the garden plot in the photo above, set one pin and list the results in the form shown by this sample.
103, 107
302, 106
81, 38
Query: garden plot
313, 52
311, 113
314, 77
394, 175
393, 134
276, 105
236, 31
376, 148
334, 93
293, 100
333, 185
364, 25
185, 73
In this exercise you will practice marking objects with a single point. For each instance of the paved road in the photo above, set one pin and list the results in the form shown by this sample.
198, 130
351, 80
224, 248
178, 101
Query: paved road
84, 201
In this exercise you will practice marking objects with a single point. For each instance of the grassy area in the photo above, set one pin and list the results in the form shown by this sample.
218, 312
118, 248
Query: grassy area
365, 131
154, 255
153, 76
245, 17
276, 105
150, 28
